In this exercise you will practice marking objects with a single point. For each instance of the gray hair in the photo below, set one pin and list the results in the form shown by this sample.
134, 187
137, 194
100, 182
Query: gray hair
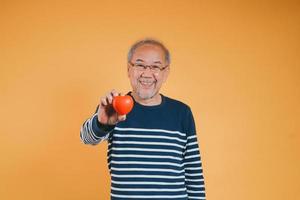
152, 42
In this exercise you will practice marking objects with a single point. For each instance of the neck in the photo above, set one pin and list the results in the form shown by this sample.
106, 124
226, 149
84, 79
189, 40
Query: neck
155, 100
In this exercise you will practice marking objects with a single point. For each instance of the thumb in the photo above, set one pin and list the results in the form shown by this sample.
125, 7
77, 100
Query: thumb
121, 118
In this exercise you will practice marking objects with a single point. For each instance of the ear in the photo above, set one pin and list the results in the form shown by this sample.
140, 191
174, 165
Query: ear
128, 68
166, 74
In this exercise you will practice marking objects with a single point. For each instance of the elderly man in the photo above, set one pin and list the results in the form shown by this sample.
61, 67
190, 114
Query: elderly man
153, 151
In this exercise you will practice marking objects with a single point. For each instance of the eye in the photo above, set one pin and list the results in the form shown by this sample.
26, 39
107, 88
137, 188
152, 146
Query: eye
140, 66
155, 68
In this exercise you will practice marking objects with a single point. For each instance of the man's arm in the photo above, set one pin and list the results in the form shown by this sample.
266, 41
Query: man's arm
93, 132
98, 127
192, 162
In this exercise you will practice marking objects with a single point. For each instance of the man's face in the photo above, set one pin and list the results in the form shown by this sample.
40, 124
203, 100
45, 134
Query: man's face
146, 83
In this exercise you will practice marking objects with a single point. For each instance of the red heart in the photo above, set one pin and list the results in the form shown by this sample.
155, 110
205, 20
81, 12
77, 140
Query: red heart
123, 104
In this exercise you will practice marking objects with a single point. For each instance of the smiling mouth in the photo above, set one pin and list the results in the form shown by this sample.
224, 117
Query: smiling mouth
147, 84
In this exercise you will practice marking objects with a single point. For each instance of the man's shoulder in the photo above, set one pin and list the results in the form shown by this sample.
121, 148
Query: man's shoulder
176, 103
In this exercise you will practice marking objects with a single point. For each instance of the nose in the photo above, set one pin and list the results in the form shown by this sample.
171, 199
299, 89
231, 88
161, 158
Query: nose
147, 71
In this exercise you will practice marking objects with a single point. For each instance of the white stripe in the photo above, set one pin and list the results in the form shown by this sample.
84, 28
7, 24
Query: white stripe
151, 150
193, 162
90, 127
191, 137
149, 130
87, 137
146, 176
149, 143
147, 163
87, 134
149, 136
193, 168
197, 197
196, 186
192, 156
195, 180
149, 190
143, 156
192, 191
146, 183
192, 150
196, 174
190, 144
147, 169
152, 196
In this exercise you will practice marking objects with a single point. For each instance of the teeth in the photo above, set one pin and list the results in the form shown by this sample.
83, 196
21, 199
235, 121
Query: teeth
146, 82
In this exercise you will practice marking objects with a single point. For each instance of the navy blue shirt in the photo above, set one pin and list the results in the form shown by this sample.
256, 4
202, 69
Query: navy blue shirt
153, 154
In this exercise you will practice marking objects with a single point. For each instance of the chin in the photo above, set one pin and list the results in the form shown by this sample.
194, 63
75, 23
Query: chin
146, 96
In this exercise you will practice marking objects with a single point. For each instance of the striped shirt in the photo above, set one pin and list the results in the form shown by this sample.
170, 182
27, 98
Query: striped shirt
153, 154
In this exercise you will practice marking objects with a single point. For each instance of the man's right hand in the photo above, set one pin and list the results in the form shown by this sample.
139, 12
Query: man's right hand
106, 113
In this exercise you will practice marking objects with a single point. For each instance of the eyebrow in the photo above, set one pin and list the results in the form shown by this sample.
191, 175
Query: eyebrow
141, 60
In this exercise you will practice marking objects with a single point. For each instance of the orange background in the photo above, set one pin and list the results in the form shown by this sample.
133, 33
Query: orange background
236, 63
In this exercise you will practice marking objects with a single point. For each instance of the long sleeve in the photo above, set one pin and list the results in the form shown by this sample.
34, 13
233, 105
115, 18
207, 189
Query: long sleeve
192, 162
92, 132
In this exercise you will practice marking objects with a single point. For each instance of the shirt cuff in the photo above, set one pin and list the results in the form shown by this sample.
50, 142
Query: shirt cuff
99, 129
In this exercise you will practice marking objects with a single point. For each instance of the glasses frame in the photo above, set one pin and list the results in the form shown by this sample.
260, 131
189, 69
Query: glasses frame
146, 66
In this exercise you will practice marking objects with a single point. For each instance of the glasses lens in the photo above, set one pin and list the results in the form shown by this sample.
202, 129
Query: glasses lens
155, 68
140, 67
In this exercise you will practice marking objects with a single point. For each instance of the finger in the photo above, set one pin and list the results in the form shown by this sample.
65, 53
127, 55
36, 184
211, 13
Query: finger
109, 98
114, 93
121, 118
103, 101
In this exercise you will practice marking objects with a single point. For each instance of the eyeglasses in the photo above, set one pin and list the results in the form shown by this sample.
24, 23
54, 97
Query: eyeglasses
153, 68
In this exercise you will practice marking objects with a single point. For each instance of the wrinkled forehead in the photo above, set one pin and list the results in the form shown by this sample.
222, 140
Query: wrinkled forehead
148, 53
